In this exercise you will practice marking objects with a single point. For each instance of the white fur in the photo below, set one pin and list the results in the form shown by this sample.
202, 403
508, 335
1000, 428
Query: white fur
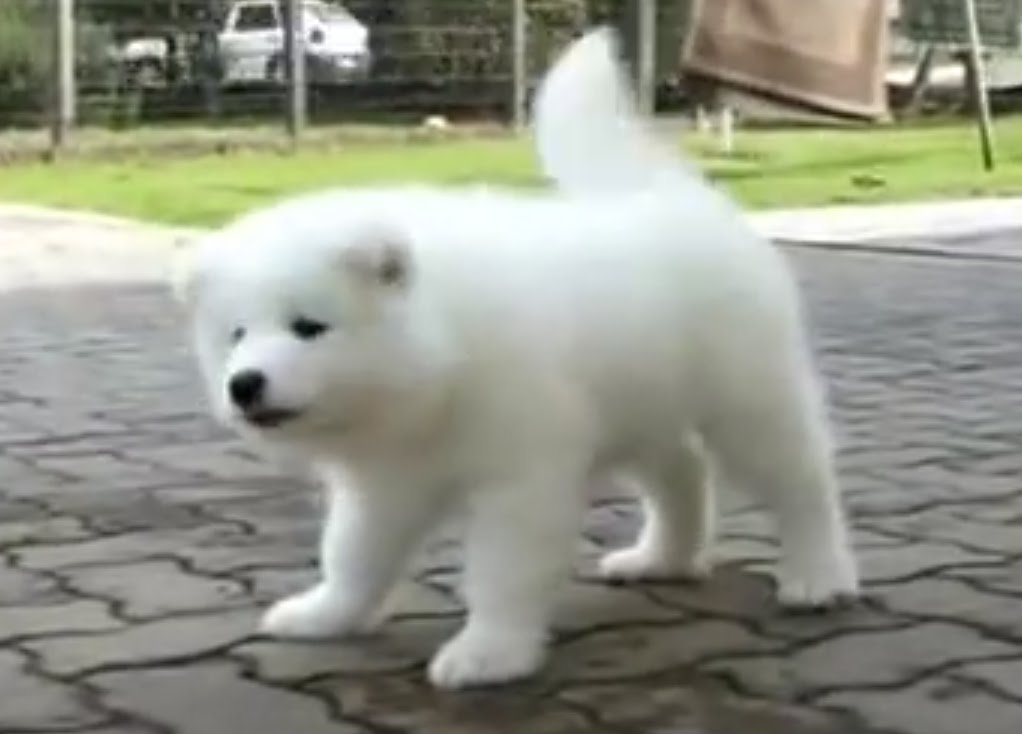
516, 346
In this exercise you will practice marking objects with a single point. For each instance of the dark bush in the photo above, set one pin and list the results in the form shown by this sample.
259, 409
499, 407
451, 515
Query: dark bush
25, 51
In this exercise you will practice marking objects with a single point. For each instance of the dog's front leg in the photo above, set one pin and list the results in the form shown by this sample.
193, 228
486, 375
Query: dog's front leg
518, 553
368, 534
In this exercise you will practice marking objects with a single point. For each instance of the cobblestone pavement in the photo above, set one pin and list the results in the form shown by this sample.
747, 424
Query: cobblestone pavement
138, 543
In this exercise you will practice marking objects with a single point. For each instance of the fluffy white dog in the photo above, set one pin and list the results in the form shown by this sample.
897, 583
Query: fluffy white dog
426, 349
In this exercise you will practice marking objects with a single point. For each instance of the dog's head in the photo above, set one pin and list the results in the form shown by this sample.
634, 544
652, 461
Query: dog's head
310, 326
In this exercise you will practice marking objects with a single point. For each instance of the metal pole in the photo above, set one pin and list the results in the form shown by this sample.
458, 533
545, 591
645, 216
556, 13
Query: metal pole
294, 59
921, 79
519, 59
979, 90
63, 111
727, 128
647, 55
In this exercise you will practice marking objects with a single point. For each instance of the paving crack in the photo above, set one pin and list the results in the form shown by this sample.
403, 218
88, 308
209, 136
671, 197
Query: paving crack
813, 694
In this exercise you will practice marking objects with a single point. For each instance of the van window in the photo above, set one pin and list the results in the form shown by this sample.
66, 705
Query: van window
256, 18
328, 13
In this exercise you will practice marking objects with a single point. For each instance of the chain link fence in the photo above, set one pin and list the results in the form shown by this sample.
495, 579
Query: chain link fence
144, 64
164, 62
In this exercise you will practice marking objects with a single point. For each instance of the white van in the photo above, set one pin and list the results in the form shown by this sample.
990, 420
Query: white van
251, 42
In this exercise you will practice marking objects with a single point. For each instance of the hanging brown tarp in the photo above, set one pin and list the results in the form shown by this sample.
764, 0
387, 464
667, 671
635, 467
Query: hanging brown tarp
828, 55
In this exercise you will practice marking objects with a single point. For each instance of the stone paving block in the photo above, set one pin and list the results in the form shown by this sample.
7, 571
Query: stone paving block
936, 705
998, 513
37, 487
46, 530
13, 473
213, 698
24, 588
730, 591
593, 605
613, 524
11, 431
123, 725
157, 588
1005, 463
118, 441
405, 703
124, 548
289, 509
271, 583
1004, 578
17, 510
944, 482
629, 651
400, 645
222, 459
210, 495
679, 704
952, 599
1004, 676
940, 525
175, 638
116, 472
32, 703
736, 593
744, 552
750, 524
242, 553
874, 658
80, 616
33, 424
885, 564
113, 513
865, 539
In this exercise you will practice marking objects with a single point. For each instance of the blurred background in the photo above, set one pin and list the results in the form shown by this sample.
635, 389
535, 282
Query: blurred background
138, 63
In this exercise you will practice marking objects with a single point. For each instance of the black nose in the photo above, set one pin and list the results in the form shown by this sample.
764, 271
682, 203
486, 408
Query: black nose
247, 388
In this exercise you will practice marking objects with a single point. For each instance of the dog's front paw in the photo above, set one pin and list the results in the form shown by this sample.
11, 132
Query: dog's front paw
478, 657
815, 583
314, 614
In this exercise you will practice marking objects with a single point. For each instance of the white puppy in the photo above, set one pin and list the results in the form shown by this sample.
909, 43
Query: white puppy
429, 348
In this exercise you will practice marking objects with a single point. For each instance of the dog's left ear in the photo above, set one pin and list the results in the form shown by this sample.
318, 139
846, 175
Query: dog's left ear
383, 260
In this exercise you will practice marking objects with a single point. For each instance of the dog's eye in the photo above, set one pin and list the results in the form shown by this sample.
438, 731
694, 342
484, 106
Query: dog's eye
237, 334
308, 329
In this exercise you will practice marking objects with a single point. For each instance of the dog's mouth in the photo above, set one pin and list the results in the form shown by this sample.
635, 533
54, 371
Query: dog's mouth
270, 417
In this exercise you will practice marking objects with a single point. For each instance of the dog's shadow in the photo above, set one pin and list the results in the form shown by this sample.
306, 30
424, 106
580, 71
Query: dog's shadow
638, 656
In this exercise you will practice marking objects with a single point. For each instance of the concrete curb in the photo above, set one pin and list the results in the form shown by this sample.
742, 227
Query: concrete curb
937, 220
41, 215
987, 228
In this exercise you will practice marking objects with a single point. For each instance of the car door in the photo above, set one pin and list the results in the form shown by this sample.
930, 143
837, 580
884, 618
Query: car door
252, 34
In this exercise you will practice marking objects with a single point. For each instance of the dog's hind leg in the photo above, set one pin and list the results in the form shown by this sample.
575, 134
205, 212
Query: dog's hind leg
678, 519
771, 435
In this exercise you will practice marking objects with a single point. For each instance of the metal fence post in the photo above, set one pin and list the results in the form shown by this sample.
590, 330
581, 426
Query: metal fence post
63, 107
294, 60
979, 90
646, 51
519, 64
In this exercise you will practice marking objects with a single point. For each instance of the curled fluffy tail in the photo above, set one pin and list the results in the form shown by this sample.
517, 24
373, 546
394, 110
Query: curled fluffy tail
589, 133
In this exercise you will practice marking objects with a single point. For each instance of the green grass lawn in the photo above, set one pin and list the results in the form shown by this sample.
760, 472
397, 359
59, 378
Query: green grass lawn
769, 169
